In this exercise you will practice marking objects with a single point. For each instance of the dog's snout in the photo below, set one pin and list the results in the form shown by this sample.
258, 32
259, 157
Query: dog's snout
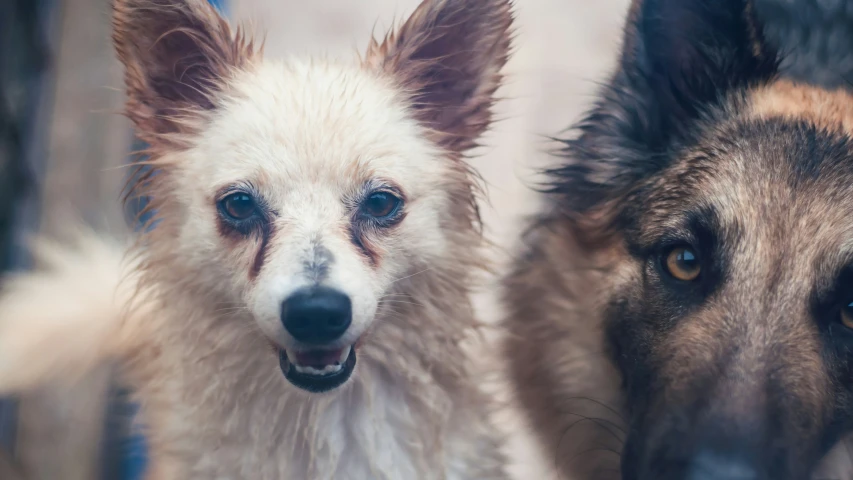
709, 465
317, 315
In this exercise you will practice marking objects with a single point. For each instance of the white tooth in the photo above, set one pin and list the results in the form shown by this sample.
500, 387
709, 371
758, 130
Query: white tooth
327, 369
344, 355
308, 370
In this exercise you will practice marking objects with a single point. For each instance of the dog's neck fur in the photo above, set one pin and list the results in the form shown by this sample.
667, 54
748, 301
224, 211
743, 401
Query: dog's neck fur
391, 421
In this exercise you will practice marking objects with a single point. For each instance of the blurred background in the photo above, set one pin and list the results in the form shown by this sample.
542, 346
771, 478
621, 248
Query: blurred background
63, 144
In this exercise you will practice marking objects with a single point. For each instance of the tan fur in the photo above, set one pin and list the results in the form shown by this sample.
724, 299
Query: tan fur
622, 371
827, 109
198, 340
149, 59
400, 52
559, 369
557, 297
78, 327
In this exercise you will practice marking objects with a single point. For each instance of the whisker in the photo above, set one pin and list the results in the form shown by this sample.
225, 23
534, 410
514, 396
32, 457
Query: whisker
402, 302
596, 449
231, 310
412, 275
600, 422
603, 405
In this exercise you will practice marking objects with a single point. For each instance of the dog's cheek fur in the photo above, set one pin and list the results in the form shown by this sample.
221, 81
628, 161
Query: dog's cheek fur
188, 208
419, 242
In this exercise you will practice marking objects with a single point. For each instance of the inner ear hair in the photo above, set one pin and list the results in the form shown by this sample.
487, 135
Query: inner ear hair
448, 58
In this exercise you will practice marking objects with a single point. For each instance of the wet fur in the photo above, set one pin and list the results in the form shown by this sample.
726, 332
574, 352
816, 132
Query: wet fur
697, 139
185, 313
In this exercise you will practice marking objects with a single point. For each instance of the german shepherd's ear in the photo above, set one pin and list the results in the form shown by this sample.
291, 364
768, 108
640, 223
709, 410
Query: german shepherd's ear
177, 54
690, 53
680, 58
448, 56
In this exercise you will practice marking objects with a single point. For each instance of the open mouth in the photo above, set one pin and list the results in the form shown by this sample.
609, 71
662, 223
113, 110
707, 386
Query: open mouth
317, 370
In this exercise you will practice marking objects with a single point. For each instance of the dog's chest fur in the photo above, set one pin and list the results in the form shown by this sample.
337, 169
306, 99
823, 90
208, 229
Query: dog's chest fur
232, 415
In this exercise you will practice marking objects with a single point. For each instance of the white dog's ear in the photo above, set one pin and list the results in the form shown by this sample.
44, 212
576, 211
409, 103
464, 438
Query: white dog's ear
448, 57
177, 55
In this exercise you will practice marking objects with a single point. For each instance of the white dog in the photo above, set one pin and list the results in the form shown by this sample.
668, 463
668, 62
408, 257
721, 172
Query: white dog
298, 310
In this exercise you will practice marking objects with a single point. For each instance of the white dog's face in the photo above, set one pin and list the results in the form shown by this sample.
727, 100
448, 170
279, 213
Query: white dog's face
313, 201
308, 189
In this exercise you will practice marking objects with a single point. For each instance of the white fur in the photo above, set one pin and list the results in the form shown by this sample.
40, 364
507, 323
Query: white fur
370, 429
306, 174
393, 420
193, 327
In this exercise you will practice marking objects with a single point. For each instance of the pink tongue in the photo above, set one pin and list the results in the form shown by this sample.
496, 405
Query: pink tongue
317, 358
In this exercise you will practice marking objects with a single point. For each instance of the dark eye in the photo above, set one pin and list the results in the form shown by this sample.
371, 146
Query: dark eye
381, 205
683, 264
238, 206
847, 315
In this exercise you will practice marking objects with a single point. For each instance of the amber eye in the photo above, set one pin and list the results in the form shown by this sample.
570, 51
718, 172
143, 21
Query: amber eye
381, 205
847, 315
683, 264
238, 206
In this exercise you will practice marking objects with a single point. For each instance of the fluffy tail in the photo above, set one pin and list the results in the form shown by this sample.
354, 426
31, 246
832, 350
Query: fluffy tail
68, 316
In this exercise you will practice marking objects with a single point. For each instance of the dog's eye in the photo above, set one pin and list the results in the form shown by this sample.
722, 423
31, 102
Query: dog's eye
847, 315
683, 264
381, 205
238, 206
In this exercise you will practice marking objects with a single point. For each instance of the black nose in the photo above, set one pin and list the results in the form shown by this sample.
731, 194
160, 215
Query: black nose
317, 315
710, 465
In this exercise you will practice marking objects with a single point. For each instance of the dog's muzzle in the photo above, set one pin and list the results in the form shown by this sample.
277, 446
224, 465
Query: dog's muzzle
317, 318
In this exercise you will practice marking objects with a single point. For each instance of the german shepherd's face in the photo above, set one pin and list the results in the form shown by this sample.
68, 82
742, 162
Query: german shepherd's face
298, 194
732, 323
722, 198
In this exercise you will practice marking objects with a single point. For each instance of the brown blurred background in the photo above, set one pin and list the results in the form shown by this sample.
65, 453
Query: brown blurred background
62, 88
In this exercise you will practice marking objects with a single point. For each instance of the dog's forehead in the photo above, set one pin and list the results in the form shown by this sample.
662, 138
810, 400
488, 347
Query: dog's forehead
779, 171
316, 121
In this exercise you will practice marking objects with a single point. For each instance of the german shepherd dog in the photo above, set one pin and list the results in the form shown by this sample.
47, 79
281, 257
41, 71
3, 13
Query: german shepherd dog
299, 308
684, 306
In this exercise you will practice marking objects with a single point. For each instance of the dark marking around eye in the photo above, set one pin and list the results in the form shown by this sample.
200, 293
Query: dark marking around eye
377, 211
357, 236
260, 256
